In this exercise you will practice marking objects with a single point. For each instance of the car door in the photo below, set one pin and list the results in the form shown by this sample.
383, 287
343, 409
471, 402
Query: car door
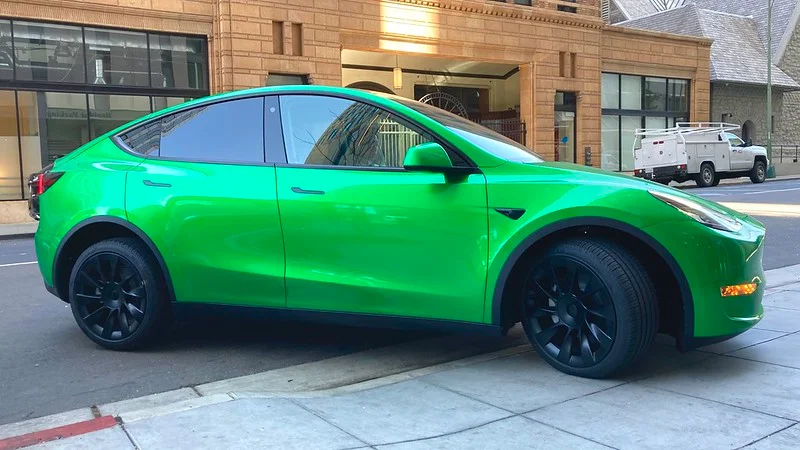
206, 198
739, 157
361, 234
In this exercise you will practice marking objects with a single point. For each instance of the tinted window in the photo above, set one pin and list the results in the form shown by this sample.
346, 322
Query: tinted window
322, 130
230, 131
143, 139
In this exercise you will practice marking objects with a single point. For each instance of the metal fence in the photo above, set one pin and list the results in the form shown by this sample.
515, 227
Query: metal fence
395, 139
785, 153
513, 128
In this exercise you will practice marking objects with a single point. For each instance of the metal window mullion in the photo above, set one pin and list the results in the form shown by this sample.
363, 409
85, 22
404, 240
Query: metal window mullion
85, 61
19, 146
13, 52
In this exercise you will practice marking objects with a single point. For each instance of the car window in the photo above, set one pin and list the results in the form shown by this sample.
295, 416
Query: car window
735, 140
144, 139
231, 131
321, 130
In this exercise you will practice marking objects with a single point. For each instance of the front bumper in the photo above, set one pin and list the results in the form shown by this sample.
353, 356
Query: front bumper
709, 260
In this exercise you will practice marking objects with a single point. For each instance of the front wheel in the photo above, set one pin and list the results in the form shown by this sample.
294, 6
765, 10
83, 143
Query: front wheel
117, 294
759, 172
589, 308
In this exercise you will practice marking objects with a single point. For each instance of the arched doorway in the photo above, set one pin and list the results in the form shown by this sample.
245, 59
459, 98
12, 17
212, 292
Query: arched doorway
748, 131
370, 86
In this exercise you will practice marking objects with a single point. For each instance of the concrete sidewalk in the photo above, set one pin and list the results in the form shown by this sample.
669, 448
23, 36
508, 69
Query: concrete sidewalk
743, 393
18, 230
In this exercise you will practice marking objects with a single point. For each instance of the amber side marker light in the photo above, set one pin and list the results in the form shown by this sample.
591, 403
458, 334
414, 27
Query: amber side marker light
739, 289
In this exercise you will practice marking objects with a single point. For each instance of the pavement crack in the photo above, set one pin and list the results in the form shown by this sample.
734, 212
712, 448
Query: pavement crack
767, 436
319, 416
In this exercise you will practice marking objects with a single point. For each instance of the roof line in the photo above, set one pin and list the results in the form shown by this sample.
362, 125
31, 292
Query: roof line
657, 13
787, 35
723, 13
622, 8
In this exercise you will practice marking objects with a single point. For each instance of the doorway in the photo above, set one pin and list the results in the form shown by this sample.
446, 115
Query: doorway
565, 132
748, 131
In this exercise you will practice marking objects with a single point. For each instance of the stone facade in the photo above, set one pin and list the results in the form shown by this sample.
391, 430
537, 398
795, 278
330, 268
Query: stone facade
787, 130
740, 103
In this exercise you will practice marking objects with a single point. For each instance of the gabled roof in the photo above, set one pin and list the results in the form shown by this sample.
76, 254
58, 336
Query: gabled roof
737, 53
784, 17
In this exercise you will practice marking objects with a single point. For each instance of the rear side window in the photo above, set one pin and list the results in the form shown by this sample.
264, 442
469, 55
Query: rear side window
230, 131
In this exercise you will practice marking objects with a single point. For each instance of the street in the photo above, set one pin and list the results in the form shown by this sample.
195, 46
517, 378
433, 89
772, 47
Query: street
48, 366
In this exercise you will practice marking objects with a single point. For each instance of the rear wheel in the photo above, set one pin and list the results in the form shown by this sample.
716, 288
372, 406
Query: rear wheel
589, 308
707, 175
117, 295
759, 172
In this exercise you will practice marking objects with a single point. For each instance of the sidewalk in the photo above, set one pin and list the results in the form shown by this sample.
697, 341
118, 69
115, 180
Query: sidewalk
729, 181
741, 393
18, 230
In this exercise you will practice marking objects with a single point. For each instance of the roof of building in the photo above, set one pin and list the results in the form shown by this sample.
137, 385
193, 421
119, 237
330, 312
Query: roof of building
784, 16
737, 54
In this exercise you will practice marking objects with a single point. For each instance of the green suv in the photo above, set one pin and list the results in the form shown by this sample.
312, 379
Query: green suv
335, 204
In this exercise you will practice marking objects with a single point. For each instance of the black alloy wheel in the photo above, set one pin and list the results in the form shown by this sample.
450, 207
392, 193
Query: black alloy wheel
570, 312
118, 294
588, 306
110, 296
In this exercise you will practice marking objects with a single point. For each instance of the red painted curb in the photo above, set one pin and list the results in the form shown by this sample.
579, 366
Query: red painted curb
73, 429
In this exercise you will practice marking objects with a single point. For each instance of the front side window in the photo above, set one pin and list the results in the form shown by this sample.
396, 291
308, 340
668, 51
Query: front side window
332, 131
231, 131
735, 140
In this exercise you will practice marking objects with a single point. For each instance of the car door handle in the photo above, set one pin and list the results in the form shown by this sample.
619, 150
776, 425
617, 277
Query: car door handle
153, 184
298, 190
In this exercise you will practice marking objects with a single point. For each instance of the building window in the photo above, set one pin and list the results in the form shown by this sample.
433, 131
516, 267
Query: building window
48, 52
63, 85
630, 102
569, 9
116, 57
281, 79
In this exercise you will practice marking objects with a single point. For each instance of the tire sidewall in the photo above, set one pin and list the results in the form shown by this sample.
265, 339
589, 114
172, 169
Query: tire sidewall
623, 315
759, 179
701, 179
149, 280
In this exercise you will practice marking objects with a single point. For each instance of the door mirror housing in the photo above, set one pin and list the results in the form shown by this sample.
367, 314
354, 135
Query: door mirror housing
427, 157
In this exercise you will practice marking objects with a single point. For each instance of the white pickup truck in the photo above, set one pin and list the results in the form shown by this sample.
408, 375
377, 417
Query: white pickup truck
704, 152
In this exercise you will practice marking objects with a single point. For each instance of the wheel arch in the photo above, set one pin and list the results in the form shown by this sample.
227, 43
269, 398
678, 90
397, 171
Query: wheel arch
90, 231
639, 242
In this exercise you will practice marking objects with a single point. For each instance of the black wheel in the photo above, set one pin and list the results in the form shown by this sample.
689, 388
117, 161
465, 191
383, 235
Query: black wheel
716, 181
664, 181
706, 176
589, 308
117, 294
759, 172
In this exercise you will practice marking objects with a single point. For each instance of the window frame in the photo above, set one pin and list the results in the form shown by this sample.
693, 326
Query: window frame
280, 148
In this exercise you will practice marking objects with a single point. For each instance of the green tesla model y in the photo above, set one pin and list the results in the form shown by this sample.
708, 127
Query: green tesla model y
321, 203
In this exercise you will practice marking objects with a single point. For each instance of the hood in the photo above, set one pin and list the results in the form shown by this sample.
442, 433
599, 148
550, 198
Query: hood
592, 175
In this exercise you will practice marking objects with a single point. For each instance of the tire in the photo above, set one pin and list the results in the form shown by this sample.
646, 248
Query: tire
759, 172
664, 181
717, 179
707, 175
610, 321
118, 295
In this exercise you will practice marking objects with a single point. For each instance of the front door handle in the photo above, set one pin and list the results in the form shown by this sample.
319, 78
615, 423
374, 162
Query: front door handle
298, 190
153, 184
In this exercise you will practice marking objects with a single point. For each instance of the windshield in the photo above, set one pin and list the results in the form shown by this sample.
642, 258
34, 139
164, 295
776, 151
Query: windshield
488, 140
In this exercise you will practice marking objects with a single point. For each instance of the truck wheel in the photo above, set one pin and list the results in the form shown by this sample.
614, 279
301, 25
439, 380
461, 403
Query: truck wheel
706, 176
759, 172
716, 181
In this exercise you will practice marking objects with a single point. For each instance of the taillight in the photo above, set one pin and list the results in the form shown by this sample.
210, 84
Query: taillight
46, 179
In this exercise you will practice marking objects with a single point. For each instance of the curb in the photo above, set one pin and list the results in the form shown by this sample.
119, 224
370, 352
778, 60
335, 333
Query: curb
736, 183
10, 237
62, 432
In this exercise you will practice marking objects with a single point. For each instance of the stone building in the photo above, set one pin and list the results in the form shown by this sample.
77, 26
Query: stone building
738, 57
71, 70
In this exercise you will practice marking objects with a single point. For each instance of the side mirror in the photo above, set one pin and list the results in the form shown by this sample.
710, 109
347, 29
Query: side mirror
427, 157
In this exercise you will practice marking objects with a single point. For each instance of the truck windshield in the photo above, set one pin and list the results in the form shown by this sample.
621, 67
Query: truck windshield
488, 140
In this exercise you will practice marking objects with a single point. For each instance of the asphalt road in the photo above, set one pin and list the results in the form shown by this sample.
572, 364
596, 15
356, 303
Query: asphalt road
48, 366
777, 205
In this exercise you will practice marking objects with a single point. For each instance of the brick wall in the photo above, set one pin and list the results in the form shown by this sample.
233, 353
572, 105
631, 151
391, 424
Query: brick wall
745, 103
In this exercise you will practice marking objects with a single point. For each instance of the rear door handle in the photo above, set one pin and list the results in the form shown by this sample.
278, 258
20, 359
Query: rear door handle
153, 184
298, 190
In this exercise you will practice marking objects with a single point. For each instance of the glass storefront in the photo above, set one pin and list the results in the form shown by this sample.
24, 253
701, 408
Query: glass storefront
564, 132
63, 85
630, 102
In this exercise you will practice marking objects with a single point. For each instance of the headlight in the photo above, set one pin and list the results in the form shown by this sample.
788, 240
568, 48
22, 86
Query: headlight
705, 215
